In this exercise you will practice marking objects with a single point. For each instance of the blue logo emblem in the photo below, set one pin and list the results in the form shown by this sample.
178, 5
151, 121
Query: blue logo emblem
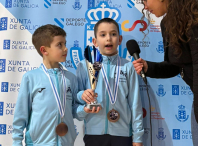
93, 15
161, 135
160, 92
130, 3
6, 44
1, 108
160, 48
107, 1
76, 54
4, 86
91, 4
8, 4
47, 3
59, 22
182, 117
175, 89
3, 23
176, 134
2, 129
2, 65
127, 56
77, 5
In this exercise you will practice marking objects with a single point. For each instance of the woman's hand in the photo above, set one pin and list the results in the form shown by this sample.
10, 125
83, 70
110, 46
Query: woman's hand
139, 64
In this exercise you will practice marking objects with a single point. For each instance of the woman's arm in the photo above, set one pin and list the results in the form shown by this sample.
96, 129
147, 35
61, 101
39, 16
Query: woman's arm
162, 70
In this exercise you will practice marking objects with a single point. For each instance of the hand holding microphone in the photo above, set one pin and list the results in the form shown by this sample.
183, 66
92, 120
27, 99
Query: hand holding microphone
134, 50
139, 64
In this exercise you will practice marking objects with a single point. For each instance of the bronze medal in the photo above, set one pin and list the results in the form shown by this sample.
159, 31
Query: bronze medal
113, 115
61, 129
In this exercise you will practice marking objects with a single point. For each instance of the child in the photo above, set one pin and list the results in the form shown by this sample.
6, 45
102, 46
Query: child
46, 96
121, 115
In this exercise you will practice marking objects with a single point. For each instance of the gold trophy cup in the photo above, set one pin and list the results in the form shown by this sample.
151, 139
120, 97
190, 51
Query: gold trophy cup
94, 64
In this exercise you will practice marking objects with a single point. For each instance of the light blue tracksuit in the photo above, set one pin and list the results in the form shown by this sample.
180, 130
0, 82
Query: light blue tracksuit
128, 102
37, 111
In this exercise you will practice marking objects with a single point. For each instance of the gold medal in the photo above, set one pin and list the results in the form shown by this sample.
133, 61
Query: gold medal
61, 129
113, 115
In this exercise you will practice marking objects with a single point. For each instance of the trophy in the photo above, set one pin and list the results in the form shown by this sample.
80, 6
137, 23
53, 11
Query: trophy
94, 63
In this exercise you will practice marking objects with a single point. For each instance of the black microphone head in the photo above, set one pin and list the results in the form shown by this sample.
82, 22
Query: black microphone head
132, 47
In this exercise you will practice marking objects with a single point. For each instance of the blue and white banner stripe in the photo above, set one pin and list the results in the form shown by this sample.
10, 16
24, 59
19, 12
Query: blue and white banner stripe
112, 97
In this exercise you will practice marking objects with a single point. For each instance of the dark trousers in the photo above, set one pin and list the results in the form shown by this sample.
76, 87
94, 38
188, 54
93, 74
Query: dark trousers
107, 140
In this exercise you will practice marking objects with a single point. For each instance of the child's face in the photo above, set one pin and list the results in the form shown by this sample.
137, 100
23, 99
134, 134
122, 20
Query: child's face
107, 39
57, 51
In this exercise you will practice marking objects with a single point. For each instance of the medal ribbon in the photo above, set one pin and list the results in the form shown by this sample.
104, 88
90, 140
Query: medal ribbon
60, 106
112, 97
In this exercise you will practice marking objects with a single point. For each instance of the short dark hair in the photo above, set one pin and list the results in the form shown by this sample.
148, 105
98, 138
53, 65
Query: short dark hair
105, 20
43, 36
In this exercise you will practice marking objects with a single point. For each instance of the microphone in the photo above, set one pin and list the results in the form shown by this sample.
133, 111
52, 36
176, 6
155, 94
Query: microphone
134, 50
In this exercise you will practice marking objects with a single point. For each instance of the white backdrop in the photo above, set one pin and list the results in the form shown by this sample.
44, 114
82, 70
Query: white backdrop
170, 98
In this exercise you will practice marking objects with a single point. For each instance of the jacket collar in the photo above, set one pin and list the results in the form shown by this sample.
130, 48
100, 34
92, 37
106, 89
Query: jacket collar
51, 70
111, 58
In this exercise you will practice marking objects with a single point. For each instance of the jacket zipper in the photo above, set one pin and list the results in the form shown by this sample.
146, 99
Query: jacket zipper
107, 99
55, 72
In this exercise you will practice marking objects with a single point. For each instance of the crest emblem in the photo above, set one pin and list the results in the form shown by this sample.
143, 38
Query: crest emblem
3, 23
1, 108
2, 65
77, 5
161, 135
2, 129
6, 44
91, 4
4, 87
160, 48
76, 54
176, 134
93, 15
160, 92
182, 117
175, 89
8, 4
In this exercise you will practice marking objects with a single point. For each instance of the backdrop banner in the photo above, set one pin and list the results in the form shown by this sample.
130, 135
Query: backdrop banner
171, 99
